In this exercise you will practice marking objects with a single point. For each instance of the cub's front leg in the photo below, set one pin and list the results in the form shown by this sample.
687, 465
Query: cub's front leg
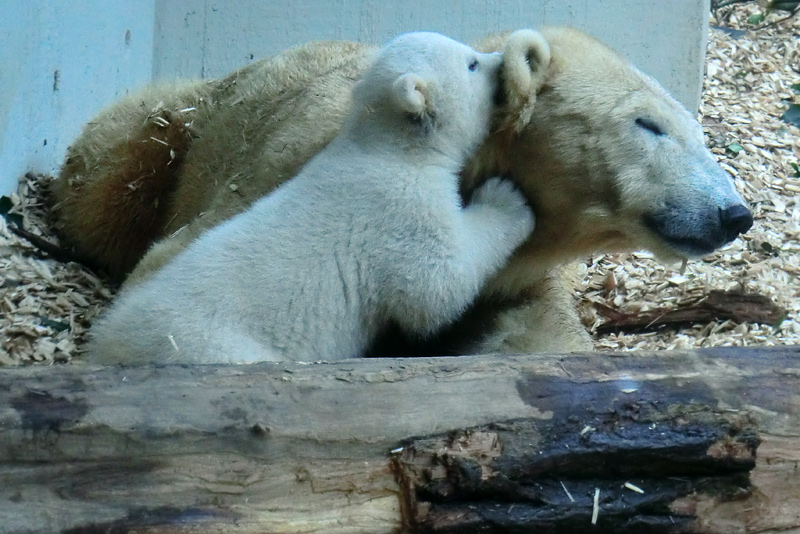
448, 273
499, 219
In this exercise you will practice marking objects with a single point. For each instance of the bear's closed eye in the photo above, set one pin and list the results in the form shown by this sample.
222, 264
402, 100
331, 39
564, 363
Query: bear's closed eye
650, 126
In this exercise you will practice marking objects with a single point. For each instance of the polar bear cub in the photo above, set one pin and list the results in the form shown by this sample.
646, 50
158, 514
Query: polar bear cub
371, 232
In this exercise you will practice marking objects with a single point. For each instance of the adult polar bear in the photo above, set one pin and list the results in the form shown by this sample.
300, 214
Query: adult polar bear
371, 230
608, 160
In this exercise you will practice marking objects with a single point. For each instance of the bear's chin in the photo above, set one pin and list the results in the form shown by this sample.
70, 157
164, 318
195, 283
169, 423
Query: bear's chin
683, 241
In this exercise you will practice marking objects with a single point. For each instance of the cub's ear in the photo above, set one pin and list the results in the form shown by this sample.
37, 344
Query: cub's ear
411, 94
525, 66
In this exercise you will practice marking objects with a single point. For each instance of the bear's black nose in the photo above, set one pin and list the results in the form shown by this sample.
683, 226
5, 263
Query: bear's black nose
735, 220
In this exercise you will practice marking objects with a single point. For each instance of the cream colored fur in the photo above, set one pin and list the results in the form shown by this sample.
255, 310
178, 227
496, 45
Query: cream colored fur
575, 133
370, 232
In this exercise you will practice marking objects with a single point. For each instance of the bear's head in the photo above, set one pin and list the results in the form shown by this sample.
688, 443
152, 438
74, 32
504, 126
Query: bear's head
608, 159
431, 86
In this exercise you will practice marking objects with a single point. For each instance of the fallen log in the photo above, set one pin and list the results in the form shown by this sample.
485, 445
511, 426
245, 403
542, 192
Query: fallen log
703, 441
717, 305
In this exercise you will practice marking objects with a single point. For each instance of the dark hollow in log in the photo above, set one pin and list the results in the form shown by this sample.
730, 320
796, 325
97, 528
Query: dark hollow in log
481, 444
541, 476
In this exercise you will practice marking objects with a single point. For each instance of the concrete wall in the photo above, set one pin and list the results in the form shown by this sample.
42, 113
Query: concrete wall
665, 38
62, 60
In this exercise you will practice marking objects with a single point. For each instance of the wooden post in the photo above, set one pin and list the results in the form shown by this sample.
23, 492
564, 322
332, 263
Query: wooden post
662, 442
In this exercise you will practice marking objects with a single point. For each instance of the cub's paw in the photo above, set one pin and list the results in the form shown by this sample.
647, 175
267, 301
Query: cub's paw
505, 197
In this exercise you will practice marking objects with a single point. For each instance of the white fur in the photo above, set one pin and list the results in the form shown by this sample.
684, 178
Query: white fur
371, 231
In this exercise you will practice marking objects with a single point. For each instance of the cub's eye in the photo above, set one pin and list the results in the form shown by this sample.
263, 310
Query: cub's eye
650, 126
473, 65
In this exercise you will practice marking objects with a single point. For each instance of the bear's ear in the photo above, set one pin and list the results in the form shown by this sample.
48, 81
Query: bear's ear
526, 59
411, 94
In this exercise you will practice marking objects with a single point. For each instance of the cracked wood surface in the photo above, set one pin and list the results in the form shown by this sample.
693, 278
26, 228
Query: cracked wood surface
482, 444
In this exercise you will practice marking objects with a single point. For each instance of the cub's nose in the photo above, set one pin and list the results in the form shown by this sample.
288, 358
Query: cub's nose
735, 220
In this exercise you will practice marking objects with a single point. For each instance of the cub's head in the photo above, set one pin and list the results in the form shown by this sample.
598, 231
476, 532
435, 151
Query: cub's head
608, 159
433, 87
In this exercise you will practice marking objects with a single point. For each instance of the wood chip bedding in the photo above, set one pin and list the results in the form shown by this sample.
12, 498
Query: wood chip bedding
47, 305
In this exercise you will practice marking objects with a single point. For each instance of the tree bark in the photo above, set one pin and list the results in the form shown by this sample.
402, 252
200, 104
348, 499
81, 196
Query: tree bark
665, 441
